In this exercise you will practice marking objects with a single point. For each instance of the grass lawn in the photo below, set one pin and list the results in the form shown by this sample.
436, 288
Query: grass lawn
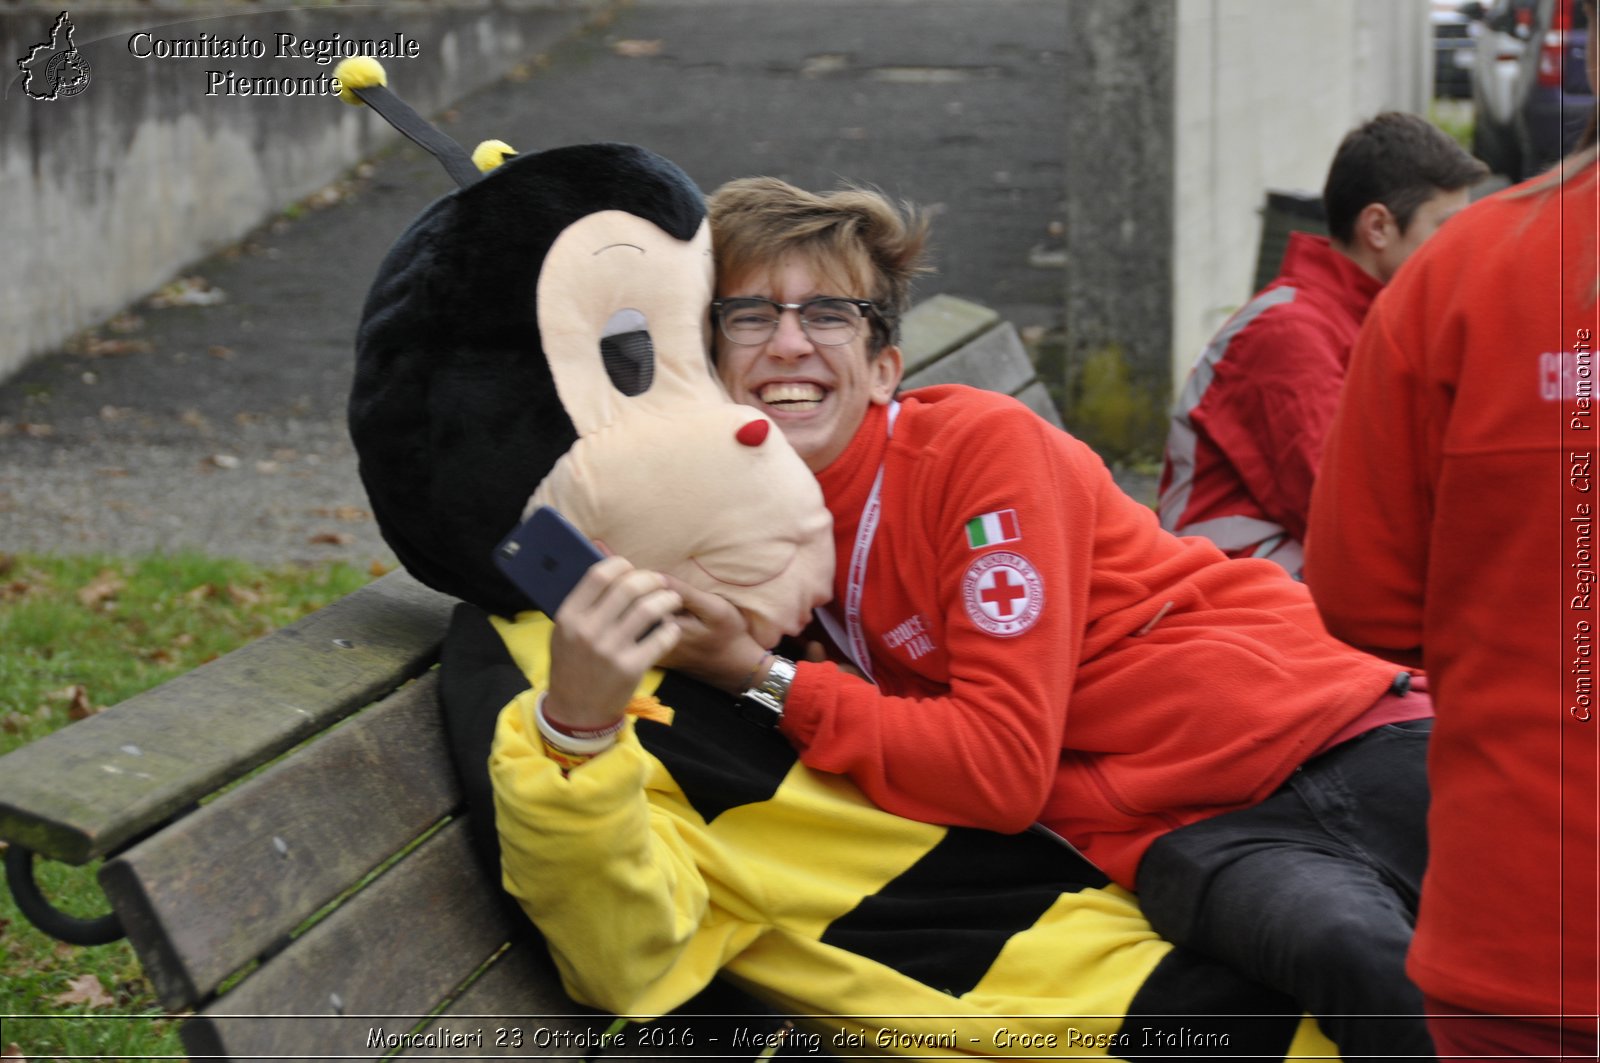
78, 635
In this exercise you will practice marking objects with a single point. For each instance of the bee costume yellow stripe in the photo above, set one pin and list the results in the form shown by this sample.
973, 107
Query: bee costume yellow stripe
699, 845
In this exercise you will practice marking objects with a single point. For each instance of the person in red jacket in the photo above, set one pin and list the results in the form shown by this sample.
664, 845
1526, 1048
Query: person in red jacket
1018, 641
1248, 427
1454, 524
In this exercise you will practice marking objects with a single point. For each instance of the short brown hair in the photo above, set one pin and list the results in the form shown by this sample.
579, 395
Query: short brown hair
879, 244
1399, 160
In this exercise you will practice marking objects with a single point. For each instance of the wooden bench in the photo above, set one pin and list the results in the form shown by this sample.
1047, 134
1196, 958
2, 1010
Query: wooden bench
284, 837
947, 340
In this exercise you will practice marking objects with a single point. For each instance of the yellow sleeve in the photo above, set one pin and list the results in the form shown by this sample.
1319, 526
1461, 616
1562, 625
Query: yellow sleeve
611, 880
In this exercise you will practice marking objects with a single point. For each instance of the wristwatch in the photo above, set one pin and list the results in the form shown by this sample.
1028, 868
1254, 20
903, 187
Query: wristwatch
763, 703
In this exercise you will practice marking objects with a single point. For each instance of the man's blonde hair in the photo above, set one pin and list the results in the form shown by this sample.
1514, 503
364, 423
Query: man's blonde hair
855, 236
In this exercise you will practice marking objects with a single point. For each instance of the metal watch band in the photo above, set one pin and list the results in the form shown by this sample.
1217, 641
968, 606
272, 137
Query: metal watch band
763, 703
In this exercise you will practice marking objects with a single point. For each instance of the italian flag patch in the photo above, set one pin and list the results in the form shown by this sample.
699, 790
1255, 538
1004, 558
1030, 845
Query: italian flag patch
993, 528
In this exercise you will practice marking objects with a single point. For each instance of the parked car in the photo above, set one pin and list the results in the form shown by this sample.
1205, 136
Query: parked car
1531, 97
1455, 48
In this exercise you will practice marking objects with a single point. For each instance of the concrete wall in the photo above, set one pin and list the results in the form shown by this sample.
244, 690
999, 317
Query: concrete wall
1121, 85
1181, 114
1267, 91
105, 195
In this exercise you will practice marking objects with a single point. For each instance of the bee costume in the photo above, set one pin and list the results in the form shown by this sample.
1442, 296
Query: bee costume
537, 336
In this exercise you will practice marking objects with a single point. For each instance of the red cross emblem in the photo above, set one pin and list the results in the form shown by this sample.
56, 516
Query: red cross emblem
1003, 593
999, 590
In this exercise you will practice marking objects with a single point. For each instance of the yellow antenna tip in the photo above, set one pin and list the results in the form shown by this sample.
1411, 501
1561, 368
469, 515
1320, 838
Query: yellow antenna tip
358, 72
491, 153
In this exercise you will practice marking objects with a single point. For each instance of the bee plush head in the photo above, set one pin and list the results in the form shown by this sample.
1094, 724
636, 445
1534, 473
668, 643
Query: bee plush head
540, 335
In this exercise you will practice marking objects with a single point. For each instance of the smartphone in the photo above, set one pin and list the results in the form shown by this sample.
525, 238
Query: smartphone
545, 556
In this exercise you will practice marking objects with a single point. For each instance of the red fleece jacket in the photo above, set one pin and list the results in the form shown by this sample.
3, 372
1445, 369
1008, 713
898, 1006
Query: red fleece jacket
1456, 513
1084, 668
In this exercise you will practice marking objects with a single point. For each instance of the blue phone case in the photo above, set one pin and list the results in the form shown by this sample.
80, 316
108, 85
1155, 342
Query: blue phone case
545, 556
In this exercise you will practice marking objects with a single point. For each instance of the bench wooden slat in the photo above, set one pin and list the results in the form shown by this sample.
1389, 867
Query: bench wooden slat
519, 1006
81, 792
388, 956
939, 326
212, 892
996, 361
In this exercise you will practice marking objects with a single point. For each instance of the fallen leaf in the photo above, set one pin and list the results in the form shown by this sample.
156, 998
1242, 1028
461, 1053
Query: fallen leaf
77, 698
14, 1051
377, 568
223, 461
348, 514
125, 322
217, 350
183, 639
187, 291
102, 588
266, 468
86, 989
637, 49
13, 723
36, 431
243, 595
160, 655
194, 419
7, 563
332, 539
98, 347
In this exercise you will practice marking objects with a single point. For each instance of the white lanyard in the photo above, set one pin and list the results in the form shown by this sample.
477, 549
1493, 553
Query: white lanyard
852, 639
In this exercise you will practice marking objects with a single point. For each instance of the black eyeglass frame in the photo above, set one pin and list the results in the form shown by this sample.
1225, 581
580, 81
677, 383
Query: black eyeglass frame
877, 321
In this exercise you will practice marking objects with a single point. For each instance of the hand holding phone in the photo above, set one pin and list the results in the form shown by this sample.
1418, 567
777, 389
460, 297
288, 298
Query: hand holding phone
597, 653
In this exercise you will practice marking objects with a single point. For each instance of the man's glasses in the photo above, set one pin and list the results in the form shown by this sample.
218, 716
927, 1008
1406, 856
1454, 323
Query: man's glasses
829, 321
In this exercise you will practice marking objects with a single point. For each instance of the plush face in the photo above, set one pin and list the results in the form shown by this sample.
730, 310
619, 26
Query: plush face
541, 337
667, 471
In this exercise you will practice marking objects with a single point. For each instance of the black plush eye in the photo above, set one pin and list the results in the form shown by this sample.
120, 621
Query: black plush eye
628, 354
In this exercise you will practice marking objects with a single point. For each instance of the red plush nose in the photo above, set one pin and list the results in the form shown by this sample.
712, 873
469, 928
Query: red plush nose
754, 433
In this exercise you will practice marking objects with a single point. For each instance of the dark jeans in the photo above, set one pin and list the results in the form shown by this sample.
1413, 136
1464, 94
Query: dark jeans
1314, 890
